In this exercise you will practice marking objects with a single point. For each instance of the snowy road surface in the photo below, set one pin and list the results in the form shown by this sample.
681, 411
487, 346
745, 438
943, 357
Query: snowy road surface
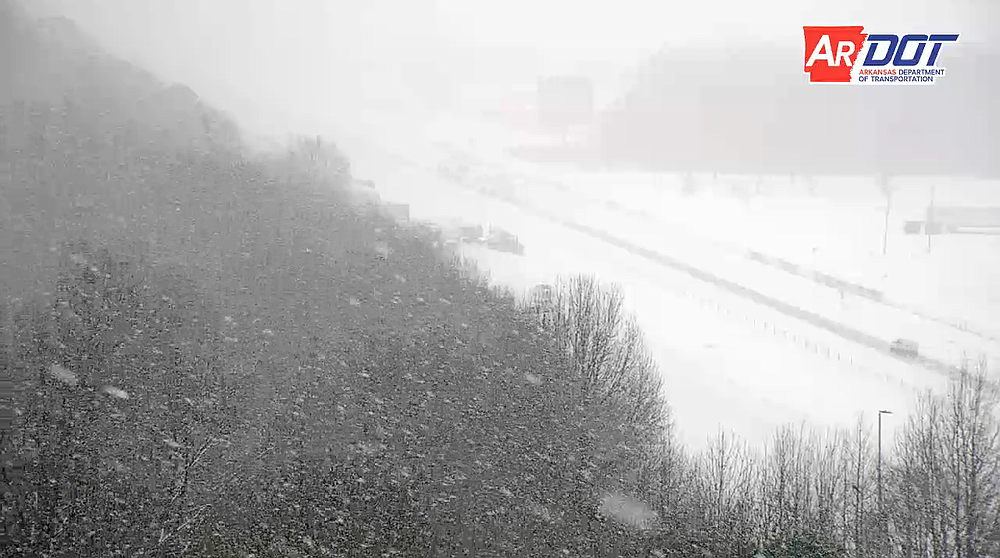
727, 360
876, 323
871, 324
833, 225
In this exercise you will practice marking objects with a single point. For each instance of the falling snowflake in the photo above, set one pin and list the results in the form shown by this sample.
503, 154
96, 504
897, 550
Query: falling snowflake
627, 510
532, 378
354, 301
115, 392
369, 448
172, 444
382, 249
63, 375
541, 511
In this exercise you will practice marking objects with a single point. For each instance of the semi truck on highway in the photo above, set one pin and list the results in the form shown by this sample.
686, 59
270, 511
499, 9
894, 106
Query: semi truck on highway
503, 241
494, 238
398, 211
364, 196
472, 234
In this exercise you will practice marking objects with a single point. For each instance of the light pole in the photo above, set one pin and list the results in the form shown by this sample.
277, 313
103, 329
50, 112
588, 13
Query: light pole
883, 181
881, 511
930, 220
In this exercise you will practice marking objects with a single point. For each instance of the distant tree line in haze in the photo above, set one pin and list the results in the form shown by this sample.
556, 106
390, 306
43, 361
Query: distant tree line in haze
752, 110
213, 354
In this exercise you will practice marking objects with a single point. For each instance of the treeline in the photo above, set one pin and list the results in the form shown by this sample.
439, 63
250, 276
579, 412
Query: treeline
210, 354
808, 493
218, 356
752, 110
215, 355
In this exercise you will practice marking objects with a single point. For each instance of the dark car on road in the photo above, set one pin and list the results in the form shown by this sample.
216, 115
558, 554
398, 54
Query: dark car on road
904, 347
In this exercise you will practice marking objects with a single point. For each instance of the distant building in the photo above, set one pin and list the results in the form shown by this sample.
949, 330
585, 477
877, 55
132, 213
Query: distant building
964, 219
565, 101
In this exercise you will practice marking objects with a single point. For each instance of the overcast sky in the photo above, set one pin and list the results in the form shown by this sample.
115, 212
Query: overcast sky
296, 62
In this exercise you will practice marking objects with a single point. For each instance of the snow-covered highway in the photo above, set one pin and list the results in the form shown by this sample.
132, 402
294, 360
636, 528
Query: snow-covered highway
861, 321
728, 360
867, 321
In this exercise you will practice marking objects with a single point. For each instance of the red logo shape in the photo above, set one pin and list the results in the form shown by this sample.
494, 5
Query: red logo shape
831, 52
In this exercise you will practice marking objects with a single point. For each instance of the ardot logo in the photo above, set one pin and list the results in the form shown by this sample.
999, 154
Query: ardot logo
831, 55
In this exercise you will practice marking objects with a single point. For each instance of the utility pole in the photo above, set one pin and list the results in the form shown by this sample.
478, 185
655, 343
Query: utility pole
883, 181
930, 220
883, 524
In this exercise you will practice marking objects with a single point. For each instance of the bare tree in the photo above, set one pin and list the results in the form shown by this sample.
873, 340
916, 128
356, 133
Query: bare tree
972, 438
827, 486
607, 349
947, 478
729, 474
922, 446
725, 498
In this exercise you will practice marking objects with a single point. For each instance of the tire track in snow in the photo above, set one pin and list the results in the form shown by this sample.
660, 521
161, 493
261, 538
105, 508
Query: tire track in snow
749, 255
846, 332
837, 328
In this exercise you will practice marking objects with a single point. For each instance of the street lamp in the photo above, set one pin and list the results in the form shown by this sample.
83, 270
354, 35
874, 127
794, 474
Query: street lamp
883, 182
881, 510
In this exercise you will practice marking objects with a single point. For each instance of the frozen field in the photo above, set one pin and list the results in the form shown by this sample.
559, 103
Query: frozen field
942, 297
726, 361
836, 230
938, 340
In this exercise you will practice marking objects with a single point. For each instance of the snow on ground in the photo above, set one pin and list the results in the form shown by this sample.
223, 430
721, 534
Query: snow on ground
942, 342
839, 232
836, 230
726, 361
711, 231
